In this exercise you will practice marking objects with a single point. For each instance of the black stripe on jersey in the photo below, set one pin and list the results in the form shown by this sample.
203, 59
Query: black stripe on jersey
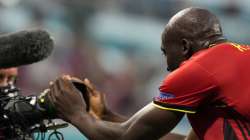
245, 125
229, 133
241, 129
239, 119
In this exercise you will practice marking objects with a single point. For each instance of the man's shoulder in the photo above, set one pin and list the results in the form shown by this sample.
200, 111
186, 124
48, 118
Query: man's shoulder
217, 53
212, 51
218, 50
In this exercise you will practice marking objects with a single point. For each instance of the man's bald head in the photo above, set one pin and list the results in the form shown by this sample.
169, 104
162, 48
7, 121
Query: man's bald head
189, 31
193, 23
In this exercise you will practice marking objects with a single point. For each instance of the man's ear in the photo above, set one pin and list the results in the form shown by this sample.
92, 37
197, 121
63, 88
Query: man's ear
186, 48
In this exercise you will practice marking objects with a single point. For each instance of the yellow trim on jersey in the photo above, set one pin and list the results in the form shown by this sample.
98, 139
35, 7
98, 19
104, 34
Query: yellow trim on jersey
173, 109
239, 47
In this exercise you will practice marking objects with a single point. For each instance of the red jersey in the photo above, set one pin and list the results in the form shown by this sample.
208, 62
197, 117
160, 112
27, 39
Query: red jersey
213, 88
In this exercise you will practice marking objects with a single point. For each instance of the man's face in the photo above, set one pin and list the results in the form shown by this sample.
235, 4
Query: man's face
8, 76
173, 54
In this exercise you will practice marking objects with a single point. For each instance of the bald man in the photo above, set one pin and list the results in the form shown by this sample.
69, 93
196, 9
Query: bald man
209, 81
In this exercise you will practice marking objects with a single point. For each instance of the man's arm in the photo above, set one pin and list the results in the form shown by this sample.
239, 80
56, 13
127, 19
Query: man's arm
149, 123
100, 110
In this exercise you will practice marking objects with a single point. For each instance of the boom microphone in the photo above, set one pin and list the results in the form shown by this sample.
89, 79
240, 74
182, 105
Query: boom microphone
24, 47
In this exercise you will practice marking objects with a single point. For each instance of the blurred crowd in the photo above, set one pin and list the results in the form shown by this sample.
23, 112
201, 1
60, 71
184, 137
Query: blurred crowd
114, 43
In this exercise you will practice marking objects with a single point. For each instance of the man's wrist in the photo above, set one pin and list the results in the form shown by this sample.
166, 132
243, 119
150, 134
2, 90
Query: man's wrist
79, 117
112, 116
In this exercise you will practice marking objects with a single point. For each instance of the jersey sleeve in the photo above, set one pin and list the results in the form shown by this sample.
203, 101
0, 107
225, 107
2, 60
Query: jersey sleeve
186, 89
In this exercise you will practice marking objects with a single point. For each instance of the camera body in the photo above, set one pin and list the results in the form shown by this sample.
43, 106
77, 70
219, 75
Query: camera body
23, 115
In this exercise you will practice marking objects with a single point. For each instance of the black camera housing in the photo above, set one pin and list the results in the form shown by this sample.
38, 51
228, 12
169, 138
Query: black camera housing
19, 113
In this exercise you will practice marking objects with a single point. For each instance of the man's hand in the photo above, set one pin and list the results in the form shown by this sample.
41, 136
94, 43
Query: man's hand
98, 107
67, 100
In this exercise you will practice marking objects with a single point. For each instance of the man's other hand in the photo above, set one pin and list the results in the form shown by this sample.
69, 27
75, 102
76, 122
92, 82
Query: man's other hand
98, 107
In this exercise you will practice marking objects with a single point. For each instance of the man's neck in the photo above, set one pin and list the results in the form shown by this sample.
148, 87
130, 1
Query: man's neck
217, 40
